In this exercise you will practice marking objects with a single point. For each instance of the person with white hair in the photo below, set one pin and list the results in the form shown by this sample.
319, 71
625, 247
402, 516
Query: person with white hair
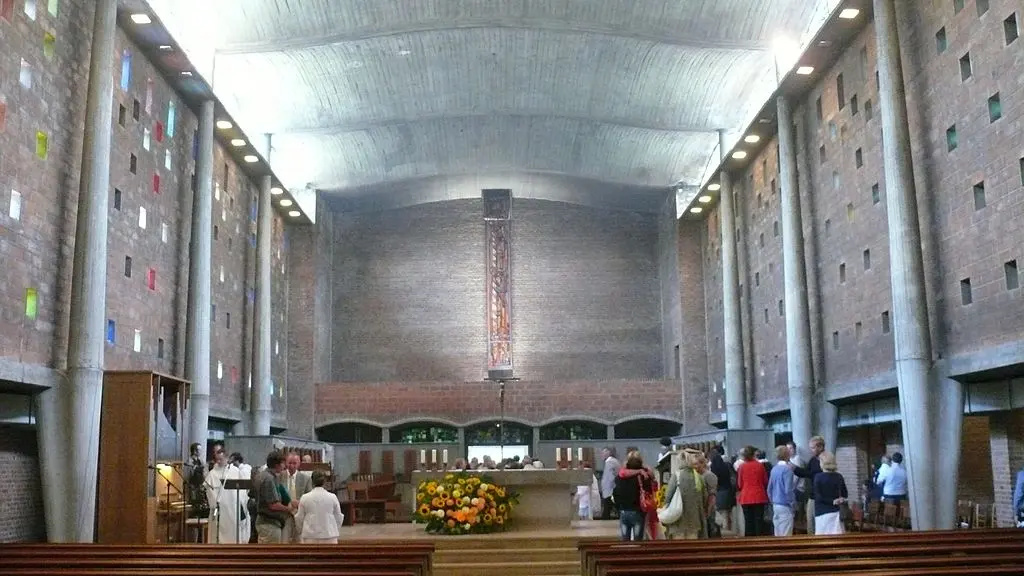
318, 519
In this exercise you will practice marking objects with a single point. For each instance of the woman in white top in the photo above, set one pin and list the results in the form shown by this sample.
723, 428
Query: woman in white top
319, 516
229, 522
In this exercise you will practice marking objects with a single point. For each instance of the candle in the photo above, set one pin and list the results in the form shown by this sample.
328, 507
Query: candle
558, 456
444, 456
423, 457
433, 456
579, 455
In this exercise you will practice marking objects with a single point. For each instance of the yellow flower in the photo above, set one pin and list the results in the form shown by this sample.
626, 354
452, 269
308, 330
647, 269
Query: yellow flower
450, 502
437, 502
431, 489
502, 507
499, 520
462, 480
501, 492
457, 493
424, 510
449, 476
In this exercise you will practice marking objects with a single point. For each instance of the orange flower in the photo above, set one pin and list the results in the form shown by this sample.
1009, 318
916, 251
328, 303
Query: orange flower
460, 517
451, 523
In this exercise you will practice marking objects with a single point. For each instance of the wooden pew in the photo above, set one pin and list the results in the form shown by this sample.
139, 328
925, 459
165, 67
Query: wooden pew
405, 558
814, 548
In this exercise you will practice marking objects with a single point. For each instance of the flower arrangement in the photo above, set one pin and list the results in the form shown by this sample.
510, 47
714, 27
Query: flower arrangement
659, 496
463, 503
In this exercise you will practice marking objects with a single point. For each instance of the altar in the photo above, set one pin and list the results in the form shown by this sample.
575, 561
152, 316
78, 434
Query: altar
545, 495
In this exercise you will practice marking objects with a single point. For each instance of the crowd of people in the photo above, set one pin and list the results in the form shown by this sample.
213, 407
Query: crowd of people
282, 504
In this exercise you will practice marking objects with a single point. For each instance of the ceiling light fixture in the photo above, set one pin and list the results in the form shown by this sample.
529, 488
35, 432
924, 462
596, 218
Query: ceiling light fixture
739, 154
251, 158
805, 70
165, 48
849, 13
237, 142
704, 199
285, 202
187, 73
752, 139
224, 125
404, 52
696, 210
276, 191
295, 213
714, 187
141, 18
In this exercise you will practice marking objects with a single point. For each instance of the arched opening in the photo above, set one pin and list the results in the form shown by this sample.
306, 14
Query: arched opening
350, 433
424, 433
574, 430
646, 428
485, 439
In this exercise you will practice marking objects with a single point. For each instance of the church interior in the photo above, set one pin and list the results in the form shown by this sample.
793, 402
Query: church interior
392, 237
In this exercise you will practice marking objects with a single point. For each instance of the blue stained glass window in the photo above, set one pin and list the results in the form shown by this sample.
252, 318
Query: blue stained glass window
172, 114
126, 70
111, 332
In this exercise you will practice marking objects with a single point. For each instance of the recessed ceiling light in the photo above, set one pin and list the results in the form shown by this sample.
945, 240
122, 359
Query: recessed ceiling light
224, 125
824, 43
696, 210
704, 199
165, 48
404, 52
849, 13
251, 158
141, 18
714, 187
739, 154
275, 191
286, 202
295, 213
805, 70
752, 139
237, 142
187, 73
764, 120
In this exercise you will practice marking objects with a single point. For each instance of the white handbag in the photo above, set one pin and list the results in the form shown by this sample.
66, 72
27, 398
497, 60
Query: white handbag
674, 511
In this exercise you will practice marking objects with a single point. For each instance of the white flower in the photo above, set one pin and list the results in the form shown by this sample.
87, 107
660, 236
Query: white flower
466, 526
483, 486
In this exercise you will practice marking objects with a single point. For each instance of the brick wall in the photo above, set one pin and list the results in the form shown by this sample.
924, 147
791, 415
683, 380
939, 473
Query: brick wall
301, 335
1006, 442
409, 293
697, 386
528, 401
21, 508
975, 482
711, 242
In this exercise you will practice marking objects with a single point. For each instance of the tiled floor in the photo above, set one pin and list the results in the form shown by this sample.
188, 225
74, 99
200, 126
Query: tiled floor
580, 529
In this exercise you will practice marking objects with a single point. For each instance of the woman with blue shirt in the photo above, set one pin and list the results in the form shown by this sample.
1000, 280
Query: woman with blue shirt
829, 495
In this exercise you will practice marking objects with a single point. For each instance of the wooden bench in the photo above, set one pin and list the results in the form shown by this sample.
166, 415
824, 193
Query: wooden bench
394, 558
619, 558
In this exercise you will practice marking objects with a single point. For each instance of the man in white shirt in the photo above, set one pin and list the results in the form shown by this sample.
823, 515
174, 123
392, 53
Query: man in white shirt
318, 519
893, 480
608, 475
298, 485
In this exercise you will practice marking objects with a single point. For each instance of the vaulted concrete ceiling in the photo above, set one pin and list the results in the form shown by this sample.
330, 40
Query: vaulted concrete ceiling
362, 92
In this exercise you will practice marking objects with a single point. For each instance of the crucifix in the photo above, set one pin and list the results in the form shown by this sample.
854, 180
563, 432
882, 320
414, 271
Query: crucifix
501, 380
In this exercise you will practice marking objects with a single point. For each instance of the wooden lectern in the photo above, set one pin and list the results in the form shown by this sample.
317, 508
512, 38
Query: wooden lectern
142, 450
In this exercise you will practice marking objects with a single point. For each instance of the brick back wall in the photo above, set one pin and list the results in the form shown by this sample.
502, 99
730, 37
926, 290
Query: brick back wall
975, 482
528, 401
21, 507
409, 293
301, 332
694, 350
711, 241
1006, 444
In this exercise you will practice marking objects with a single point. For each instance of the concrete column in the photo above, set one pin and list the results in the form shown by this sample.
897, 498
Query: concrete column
385, 435
323, 295
611, 432
69, 415
262, 391
732, 328
197, 360
798, 328
921, 404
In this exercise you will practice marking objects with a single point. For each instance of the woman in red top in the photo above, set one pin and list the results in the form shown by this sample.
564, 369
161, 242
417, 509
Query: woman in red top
752, 482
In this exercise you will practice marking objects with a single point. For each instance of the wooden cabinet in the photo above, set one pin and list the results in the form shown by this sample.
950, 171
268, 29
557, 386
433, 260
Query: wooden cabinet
142, 447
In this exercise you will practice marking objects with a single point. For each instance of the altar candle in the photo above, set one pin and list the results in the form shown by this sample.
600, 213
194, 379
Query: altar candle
444, 456
558, 455
423, 457
433, 456
579, 455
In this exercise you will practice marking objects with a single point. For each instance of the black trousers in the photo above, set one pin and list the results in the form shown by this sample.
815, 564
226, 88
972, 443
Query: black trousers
753, 520
606, 508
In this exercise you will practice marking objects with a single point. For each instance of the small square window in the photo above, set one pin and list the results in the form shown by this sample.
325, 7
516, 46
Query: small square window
775, 228
136, 110
42, 145
757, 278
867, 259
782, 307
832, 131
222, 274
142, 217
760, 201
122, 115
850, 212
1012, 275
982, 6
127, 266
885, 322
151, 279
761, 239
940, 40
966, 297
965, 67
840, 91
854, 106
1010, 30
167, 160
979, 195
220, 370
156, 183
842, 273
952, 140
137, 341
158, 131
1021, 170
958, 5
817, 108
828, 227
15, 210
835, 340
858, 330
821, 154
995, 108
876, 195
133, 164
164, 232
31, 303
858, 157
117, 199
30, 9
774, 187
869, 111
111, 332
145, 139
216, 231
835, 180
227, 321
49, 45
149, 95
160, 348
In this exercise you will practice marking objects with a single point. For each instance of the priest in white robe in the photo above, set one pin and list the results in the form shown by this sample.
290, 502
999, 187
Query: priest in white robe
229, 520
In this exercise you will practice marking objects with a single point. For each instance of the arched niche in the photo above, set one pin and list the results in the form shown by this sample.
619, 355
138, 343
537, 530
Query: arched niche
574, 430
646, 428
350, 433
424, 432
